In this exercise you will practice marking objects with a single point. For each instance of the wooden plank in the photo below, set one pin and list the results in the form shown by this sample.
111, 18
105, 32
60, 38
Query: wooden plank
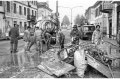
98, 66
43, 68
60, 70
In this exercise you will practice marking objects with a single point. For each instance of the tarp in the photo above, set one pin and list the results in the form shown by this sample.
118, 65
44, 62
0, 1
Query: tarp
80, 62
53, 65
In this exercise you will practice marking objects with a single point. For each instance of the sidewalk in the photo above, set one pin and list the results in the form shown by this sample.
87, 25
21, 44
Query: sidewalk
114, 42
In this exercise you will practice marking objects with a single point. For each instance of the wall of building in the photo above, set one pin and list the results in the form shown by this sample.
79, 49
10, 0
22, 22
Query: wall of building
101, 19
2, 22
92, 16
42, 12
11, 16
114, 19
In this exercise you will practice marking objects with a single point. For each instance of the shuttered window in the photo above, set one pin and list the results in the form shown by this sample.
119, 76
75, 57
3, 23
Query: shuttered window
8, 6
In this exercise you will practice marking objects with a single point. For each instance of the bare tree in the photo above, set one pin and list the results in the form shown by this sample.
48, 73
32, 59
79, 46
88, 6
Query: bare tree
65, 21
80, 20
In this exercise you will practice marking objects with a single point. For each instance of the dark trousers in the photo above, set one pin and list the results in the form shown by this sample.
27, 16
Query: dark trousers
61, 43
14, 44
13, 48
30, 45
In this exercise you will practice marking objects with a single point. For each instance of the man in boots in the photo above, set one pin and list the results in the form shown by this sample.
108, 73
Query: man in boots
14, 35
75, 35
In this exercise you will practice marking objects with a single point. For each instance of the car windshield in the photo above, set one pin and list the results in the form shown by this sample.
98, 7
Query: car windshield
89, 28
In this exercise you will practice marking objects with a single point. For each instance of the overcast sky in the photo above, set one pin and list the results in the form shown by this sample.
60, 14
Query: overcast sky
70, 3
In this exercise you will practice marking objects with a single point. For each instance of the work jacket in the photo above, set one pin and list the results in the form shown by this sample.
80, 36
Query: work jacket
96, 37
26, 35
14, 32
75, 33
38, 34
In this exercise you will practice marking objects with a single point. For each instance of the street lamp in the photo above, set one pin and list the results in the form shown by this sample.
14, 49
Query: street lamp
71, 11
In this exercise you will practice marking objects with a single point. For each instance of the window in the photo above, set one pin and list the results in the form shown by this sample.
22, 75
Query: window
8, 6
28, 11
0, 3
15, 22
24, 10
14, 8
35, 13
96, 13
20, 26
32, 12
20, 10
100, 8
25, 25
34, 2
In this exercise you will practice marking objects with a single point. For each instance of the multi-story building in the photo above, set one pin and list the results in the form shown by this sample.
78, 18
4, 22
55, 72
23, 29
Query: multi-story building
101, 18
43, 10
107, 15
2, 17
90, 15
107, 9
17, 12
115, 12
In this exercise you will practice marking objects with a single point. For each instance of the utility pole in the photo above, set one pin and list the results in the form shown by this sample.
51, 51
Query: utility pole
71, 17
71, 9
57, 15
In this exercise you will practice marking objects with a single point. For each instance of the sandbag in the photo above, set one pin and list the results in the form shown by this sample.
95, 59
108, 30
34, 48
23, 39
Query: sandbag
79, 62
81, 71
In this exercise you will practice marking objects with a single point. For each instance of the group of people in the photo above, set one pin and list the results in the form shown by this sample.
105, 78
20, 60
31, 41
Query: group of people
33, 36
77, 33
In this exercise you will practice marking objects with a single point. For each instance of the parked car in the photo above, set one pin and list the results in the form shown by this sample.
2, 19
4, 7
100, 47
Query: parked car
88, 31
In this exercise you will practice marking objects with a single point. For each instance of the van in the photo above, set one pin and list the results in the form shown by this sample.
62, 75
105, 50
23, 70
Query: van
88, 31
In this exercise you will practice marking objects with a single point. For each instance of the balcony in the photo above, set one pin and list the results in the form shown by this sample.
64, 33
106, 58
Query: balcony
29, 4
31, 18
106, 7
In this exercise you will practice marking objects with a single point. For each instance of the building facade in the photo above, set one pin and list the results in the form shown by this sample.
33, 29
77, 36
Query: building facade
116, 17
90, 15
107, 15
95, 16
100, 17
43, 10
16, 12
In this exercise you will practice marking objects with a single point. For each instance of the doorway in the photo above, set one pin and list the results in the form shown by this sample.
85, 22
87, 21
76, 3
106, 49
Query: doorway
110, 28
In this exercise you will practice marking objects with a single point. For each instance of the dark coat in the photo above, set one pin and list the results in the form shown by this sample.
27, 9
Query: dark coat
75, 33
14, 32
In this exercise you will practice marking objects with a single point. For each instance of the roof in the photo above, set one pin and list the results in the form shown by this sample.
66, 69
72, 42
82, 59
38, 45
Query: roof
88, 9
97, 3
43, 5
118, 2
